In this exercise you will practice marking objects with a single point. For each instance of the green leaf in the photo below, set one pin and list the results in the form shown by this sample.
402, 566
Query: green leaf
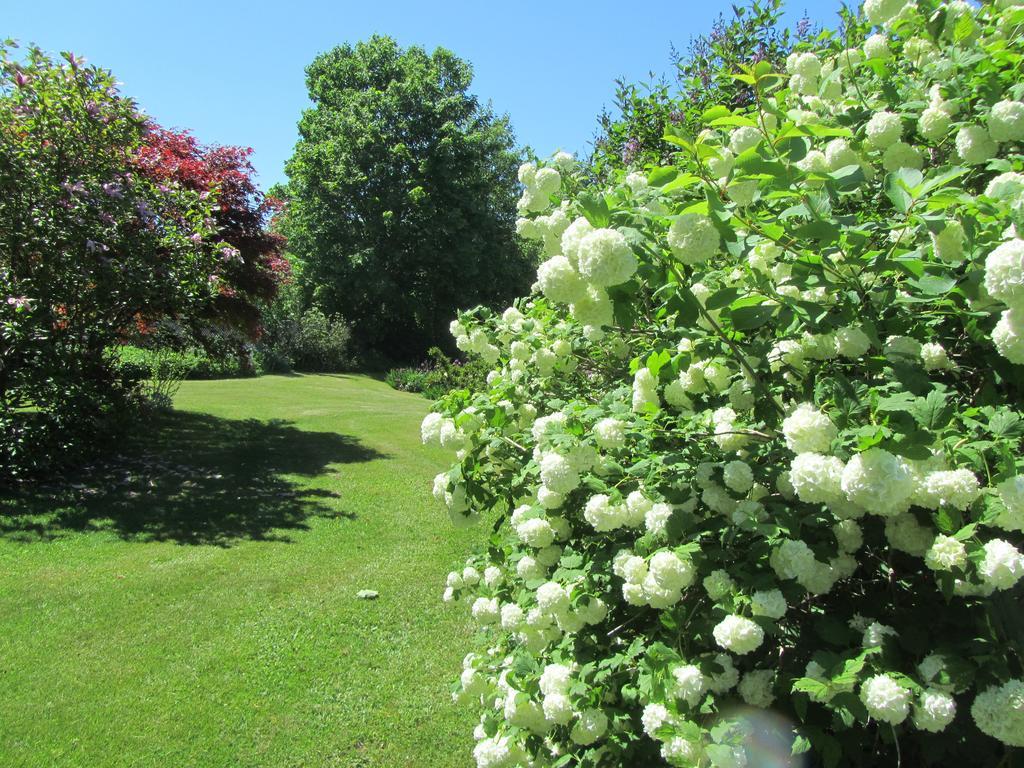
932, 412
934, 285
847, 178
595, 208
659, 177
721, 298
750, 317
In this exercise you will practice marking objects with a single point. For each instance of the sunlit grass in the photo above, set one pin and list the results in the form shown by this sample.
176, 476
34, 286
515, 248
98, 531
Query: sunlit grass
194, 604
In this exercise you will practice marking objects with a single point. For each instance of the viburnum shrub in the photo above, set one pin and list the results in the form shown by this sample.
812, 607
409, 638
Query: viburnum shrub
751, 447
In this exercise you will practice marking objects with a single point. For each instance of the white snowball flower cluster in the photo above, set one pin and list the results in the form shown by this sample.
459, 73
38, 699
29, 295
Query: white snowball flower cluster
878, 481
769, 603
1004, 273
808, 430
693, 238
1011, 494
610, 433
1006, 121
974, 145
540, 184
934, 711
738, 634
1002, 566
945, 554
605, 258
999, 712
878, 12
645, 390
884, 128
886, 700
689, 683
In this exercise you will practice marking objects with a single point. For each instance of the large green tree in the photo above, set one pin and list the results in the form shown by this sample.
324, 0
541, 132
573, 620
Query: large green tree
402, 195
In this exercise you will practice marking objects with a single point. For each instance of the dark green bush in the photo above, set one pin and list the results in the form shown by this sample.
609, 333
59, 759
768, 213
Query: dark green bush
438, 376
304, 341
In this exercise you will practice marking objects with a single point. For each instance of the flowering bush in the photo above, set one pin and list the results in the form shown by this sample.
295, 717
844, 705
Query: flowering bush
88, 247
752, 446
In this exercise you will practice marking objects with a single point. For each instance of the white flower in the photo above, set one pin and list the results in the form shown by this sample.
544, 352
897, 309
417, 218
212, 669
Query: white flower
492, 752
1004, 273
756, 688
768, 603
657, 518
1011, 494
904, 533
945, 554
974, 145
877, 47
527, 174
738, 634
883, 129
1007, 186
610, 433
901, 155
557, 473
512, 616
934, 711
718, 584
560, 282
1003, 564
547, 181
816, 478
669, 571
956, 488
485, 610
555, 679
563, 160
654, 716
430, 429
552, 598
878, 481
602, 514
557, 708
693, 238
848, 535
880, 11
1008, 335
738, 476
722, 682
528, 568
536, 533
594, 308
689, 683
590, 727
573, 236
605, 258
933, 124
885, 699
645, 389
999, 712
744, 138
852, 342
1006, 121
808, 430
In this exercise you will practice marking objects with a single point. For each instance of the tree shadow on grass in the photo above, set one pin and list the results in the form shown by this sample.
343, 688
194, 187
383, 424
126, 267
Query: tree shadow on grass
192, 478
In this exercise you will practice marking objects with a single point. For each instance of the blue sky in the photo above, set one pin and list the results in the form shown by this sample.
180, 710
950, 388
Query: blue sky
233, 72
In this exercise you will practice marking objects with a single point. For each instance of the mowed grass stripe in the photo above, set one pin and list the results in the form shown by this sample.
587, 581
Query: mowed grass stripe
210, 619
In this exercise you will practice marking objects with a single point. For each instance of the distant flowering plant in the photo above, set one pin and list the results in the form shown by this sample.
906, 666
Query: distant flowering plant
752, 447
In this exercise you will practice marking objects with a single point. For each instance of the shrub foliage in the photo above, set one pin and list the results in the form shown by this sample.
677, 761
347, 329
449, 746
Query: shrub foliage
754, 446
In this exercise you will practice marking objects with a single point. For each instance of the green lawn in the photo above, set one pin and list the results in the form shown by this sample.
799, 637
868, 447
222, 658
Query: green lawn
193, 603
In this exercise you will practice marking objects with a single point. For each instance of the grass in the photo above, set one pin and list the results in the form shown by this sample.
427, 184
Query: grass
193, 603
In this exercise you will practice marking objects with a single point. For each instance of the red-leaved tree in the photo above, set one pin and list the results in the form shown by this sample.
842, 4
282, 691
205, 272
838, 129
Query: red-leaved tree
253, 267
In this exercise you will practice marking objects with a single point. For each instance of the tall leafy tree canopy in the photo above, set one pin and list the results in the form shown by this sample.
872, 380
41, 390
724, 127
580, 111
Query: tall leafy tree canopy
402, 195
